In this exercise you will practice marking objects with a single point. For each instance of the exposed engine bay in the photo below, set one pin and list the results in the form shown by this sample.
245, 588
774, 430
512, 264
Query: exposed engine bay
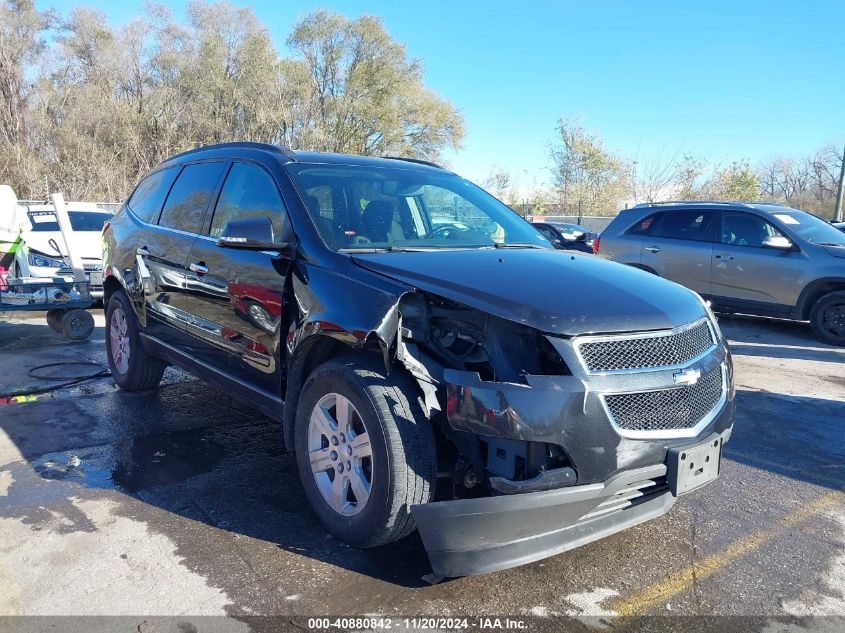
437, 334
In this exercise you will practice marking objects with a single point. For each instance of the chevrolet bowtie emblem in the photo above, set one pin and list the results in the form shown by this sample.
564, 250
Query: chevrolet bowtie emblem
687, 377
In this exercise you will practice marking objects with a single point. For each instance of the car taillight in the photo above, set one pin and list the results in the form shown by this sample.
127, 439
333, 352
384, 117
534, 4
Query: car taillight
596, 245
106, 227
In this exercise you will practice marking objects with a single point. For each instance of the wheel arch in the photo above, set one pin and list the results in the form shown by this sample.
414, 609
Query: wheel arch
310, 354
110, 286
647, 269
815, 291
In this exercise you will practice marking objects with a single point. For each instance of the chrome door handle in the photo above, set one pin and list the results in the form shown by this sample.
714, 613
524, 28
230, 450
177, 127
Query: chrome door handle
199, 268
653, 249
143, 251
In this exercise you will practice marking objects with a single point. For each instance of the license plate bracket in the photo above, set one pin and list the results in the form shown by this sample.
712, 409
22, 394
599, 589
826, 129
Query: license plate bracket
690, 467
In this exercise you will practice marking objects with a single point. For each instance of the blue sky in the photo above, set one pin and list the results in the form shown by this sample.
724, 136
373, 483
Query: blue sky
724, 80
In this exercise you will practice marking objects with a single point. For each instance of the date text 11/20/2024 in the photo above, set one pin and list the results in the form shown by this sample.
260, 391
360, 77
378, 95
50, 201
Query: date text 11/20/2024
418, 623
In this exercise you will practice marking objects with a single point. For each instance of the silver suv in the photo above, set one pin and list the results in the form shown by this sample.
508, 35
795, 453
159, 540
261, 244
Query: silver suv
764, 259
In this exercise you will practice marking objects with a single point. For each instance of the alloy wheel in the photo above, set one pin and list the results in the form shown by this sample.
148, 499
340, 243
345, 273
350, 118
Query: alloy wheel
119, 340
340, 454
833, 319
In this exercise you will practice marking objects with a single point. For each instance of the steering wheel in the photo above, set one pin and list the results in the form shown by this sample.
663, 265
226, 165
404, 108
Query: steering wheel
446, 228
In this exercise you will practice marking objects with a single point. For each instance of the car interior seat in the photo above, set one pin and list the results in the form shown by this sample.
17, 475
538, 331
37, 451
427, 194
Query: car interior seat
379, 224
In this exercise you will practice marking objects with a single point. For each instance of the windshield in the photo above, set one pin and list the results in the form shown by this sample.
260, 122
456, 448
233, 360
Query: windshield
45, 221
812, 229
366, 208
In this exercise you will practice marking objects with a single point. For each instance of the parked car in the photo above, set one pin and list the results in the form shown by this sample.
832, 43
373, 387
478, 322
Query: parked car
764, 259
840, 226
569, 237
464, 379
37, 256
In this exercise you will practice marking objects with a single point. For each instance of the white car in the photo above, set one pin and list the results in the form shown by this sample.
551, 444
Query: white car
38, 258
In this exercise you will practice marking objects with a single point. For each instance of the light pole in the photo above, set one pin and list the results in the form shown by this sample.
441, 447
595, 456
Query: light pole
837, 210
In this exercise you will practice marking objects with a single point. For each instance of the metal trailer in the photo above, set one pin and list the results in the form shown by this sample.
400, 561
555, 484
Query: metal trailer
65, 299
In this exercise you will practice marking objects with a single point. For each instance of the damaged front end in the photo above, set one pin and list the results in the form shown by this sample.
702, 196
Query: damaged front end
531, 459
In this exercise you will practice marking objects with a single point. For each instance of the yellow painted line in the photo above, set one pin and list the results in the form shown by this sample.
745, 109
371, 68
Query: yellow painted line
642, 601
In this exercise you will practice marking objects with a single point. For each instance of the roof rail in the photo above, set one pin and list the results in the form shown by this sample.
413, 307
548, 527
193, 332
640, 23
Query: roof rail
732, 203
419, 161
267, 147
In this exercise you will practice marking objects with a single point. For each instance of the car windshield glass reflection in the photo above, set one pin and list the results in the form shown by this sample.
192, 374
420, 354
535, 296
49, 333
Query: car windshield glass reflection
372, 208
813, 229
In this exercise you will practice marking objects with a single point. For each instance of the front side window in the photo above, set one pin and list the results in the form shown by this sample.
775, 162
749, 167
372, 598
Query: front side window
745, 229
188, 200
684, 225
149, 196
248, 192
357, 207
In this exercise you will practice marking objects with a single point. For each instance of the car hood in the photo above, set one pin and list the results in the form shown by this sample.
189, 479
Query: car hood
86, 244
552, 291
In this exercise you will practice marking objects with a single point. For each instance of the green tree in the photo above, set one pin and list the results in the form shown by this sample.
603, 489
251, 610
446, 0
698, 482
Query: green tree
589, 178
688, 173
737, 181
90, 107
361, 94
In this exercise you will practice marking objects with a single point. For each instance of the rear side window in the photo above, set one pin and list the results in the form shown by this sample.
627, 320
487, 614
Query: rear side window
188, 200
642, 227
684, 225
149, 195
249, 192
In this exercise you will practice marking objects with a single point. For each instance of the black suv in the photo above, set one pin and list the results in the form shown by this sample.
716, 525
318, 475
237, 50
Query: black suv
434, 362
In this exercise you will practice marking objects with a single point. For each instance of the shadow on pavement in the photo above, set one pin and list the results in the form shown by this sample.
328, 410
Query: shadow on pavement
188, 451
798, 437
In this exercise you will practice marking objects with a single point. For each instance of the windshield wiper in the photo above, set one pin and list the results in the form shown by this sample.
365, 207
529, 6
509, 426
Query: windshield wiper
828, 244
519, 245
387, 249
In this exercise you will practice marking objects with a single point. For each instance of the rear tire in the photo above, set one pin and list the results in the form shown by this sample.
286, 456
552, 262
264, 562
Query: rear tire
827, 318
132, 368
396, 469
54, 320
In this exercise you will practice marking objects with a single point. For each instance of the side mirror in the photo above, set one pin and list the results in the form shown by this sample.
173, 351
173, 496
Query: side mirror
778, 241
253, 234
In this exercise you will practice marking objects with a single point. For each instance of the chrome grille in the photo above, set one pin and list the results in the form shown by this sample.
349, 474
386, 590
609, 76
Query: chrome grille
645, 351
672, 409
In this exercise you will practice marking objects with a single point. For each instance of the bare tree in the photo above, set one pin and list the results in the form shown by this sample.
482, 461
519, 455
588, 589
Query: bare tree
91, 107
654, 177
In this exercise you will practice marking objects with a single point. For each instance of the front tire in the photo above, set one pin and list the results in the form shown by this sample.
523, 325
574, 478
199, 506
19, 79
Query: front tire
77, 324
827, 318
132, 368
364, 450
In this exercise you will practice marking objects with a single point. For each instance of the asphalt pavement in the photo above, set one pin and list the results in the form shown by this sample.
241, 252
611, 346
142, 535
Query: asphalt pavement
184, 503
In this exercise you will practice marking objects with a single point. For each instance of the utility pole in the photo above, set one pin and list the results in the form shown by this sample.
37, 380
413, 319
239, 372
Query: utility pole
837, 210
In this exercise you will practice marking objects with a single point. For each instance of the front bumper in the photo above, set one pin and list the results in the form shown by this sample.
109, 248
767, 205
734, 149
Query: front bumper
477, 536
621, 480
